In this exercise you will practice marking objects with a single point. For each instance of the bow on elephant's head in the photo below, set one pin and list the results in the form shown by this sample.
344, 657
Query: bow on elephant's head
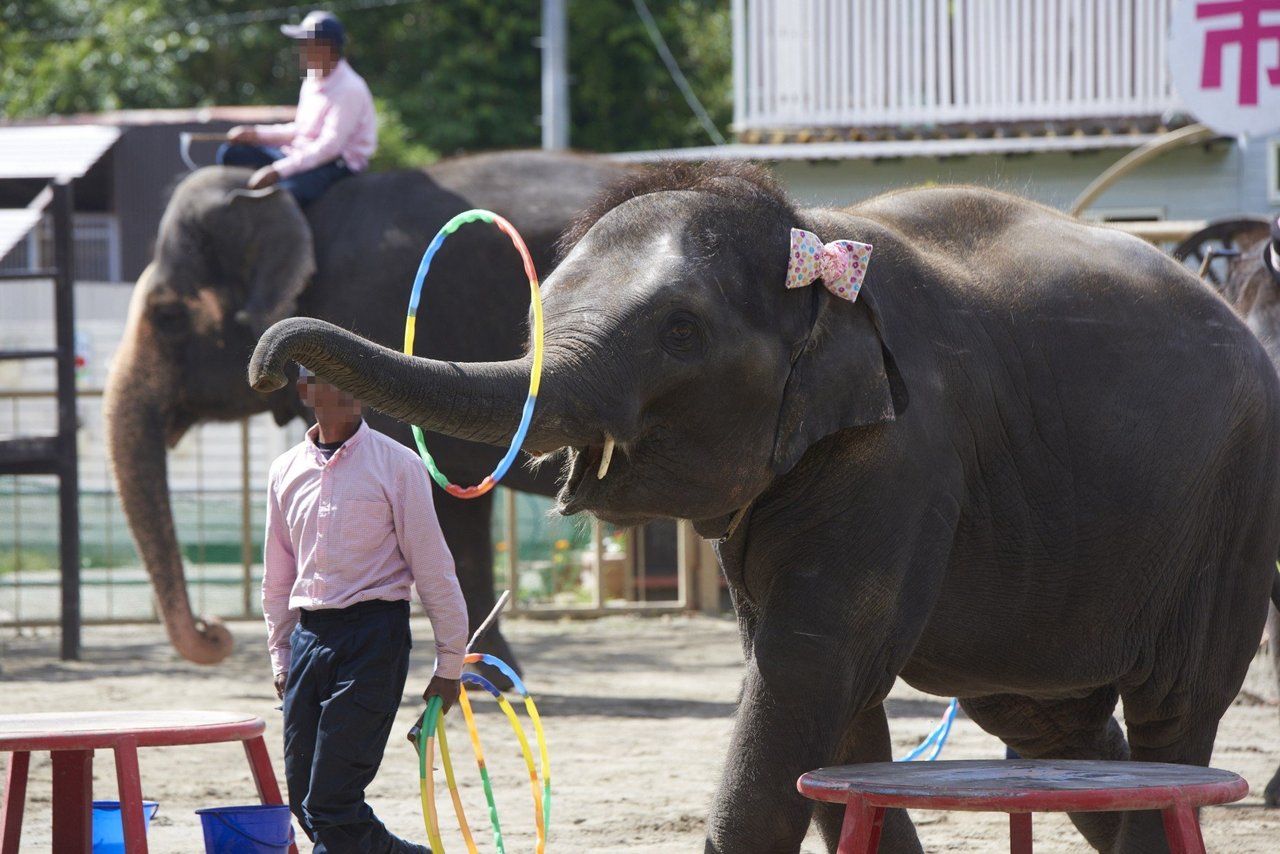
671, 336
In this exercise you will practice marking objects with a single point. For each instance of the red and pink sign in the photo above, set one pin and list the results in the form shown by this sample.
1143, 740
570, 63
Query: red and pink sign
1224, 59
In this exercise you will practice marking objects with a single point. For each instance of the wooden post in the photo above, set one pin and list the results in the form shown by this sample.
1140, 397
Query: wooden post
68, 464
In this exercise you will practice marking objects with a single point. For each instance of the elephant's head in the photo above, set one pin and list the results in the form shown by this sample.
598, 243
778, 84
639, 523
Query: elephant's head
1253, 285
227, 264
680, 372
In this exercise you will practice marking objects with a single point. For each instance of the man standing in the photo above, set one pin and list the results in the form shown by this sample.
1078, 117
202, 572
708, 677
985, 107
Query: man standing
334, 132
350, 525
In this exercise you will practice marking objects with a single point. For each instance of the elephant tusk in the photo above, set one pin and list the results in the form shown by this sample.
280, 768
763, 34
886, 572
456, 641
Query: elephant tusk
608, 455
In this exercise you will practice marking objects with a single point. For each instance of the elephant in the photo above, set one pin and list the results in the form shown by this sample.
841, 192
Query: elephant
1252, 287
1032, 465
229, 262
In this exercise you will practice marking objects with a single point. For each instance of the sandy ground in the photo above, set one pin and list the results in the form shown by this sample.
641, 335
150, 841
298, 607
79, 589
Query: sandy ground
637, 712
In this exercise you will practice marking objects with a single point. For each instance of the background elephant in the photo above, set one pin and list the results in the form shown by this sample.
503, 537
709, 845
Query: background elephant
227, 264
1252, 287
1011, 471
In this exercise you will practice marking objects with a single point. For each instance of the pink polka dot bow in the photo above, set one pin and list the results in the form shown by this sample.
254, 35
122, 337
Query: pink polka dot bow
840, 264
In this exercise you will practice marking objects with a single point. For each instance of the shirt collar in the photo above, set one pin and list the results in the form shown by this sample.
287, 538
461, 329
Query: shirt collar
323, 83
313, 436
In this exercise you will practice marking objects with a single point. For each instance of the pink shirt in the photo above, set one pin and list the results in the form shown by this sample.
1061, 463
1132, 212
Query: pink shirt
335, 119
360, 525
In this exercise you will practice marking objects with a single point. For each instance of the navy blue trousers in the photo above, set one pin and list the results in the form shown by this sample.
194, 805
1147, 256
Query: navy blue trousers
306, 187
345, 681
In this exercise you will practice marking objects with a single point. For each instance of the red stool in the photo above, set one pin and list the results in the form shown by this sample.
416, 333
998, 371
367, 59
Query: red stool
72, 737
1021, 787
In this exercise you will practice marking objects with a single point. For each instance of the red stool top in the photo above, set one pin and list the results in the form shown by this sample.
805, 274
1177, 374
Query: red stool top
90, 730
1024, 785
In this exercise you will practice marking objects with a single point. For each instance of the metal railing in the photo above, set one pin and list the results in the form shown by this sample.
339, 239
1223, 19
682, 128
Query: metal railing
878, 63
555, 567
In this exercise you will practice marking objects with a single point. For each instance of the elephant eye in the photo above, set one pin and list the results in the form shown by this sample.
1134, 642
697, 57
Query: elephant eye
681, 334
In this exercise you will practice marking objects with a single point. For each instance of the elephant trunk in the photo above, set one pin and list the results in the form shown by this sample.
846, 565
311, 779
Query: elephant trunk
135, 428
477, 401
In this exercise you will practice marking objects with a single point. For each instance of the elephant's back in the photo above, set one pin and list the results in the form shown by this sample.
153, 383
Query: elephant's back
1066, 328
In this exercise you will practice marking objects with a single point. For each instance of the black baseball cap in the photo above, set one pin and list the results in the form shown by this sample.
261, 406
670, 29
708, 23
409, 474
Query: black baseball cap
318, 25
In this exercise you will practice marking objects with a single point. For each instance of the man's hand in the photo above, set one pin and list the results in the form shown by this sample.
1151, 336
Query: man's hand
264, 177
446, 689
243, 134
280, 680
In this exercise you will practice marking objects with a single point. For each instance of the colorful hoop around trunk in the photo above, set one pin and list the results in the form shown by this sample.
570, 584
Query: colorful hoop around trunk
535, 375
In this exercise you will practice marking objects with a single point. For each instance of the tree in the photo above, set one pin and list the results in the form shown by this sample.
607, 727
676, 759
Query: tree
463, 75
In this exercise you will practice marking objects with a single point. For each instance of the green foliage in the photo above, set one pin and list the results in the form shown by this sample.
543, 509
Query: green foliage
461, 75
398, 146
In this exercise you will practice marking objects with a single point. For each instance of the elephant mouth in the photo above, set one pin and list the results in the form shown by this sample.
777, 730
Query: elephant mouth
176, 426
582, 490
585, 491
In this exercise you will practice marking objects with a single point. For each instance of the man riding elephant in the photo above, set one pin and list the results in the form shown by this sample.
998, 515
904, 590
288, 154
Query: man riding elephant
944, 434
334, 133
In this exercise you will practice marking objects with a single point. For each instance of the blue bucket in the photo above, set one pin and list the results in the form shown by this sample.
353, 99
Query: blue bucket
108, 829
256, 829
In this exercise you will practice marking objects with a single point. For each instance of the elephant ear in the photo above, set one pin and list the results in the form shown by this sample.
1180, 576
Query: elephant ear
843, 376
278, 256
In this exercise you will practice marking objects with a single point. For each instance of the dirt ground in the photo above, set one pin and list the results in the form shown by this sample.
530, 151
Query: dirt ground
637, 713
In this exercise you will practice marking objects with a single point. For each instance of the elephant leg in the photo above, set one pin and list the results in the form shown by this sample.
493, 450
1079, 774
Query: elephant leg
466, 526
801, 685
1271, 796
867, 740
1180, 739
1082, 728
780, 732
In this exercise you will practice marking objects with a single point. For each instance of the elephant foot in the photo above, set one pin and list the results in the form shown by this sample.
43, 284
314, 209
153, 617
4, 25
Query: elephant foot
1271, 795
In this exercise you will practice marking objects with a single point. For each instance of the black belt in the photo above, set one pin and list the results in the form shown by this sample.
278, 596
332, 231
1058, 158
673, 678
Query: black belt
358, 611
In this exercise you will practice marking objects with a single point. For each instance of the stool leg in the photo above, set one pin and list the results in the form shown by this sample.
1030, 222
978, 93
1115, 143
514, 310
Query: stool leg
264, 776
129, 783
1182, 829
73, 801
860, 833
1020, 833
15, 799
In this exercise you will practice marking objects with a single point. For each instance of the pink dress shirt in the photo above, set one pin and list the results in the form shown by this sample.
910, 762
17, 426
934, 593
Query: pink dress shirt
358, 526
335, 118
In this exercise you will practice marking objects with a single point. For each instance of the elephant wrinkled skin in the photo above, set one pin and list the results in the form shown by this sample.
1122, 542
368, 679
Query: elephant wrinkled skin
1033, 466
1253, 289
229, 263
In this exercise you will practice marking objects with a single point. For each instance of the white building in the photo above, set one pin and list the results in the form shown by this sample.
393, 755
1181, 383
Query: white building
847, 98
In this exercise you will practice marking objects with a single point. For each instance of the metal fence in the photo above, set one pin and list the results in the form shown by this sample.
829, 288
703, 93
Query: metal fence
890, 63
217, 474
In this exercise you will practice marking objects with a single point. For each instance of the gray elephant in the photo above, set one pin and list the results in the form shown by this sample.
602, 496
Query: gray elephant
228, 263
1252, 286
1033, 465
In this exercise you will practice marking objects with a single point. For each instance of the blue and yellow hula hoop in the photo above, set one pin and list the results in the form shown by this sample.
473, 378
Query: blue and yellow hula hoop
433, 730
535, 375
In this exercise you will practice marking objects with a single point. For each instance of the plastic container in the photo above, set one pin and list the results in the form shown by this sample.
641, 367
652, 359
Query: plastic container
108, 829
255, 829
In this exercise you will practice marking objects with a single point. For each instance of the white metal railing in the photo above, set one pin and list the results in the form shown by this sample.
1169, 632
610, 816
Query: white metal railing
876, 63
97, 248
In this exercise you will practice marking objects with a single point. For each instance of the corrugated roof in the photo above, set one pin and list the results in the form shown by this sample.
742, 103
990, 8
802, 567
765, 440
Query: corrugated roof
891, 148
15, 223
142, 118
59, 153
14, 226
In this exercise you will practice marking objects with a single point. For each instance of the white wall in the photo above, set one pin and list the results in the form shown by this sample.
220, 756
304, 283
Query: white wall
1195, 183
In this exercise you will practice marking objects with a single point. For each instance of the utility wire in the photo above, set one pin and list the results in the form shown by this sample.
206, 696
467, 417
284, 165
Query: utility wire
193, 25
655, 35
